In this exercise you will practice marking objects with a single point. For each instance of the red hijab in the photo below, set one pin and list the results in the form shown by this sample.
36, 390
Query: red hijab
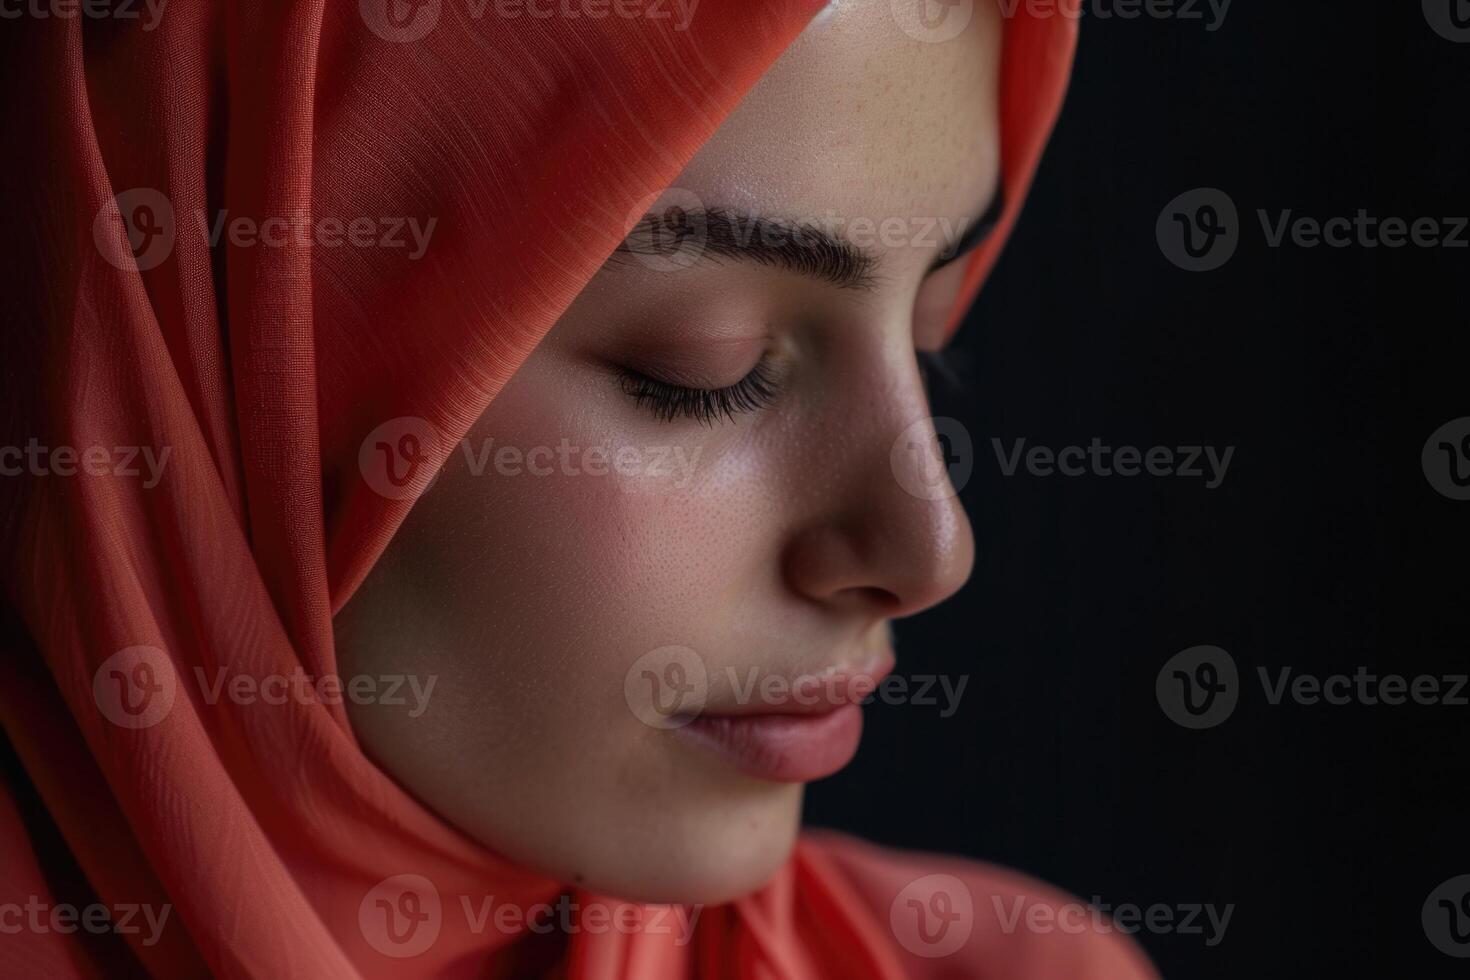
272, 840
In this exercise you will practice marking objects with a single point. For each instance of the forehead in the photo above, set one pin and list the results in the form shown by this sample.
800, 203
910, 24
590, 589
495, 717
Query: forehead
859, 120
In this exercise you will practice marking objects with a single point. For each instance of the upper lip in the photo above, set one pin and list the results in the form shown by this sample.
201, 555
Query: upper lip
812, 693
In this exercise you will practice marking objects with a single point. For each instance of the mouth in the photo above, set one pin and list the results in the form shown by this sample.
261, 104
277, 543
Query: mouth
794, 731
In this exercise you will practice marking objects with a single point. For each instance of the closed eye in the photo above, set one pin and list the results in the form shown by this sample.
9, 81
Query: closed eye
669, 401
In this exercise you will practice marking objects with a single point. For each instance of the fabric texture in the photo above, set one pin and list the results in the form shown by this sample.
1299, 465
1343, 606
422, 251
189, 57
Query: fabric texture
265, 830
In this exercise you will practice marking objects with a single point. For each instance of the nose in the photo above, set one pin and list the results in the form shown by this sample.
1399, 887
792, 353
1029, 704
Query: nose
887, 536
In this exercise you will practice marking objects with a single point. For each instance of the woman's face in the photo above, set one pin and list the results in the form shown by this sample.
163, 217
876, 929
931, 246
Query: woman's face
710, 487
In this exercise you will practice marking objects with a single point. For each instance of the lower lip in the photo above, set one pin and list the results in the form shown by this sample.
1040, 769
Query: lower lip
783, 748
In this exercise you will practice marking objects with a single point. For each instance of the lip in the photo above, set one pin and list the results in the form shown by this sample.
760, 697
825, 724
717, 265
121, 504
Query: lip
808, 730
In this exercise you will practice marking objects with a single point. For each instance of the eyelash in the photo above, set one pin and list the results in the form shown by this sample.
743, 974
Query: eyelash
669, 401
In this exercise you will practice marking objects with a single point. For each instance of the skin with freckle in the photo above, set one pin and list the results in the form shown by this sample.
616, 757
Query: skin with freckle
784, 545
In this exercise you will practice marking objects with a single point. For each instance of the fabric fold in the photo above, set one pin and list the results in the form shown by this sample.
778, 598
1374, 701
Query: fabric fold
205, 275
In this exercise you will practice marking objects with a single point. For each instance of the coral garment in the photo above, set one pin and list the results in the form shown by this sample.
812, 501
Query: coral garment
269, 837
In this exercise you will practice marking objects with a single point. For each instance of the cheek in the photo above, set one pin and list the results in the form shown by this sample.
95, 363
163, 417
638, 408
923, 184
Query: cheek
627, 536
647, 547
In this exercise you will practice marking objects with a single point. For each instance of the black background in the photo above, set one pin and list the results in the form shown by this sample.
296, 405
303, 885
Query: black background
1324, 549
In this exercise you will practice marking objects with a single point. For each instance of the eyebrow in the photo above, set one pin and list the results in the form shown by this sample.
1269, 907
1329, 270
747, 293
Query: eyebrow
804, 248
720, 233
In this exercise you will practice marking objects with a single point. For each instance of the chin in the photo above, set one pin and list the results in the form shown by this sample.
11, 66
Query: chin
714, 852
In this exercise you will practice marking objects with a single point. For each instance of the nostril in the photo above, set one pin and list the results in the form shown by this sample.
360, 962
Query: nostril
872, 598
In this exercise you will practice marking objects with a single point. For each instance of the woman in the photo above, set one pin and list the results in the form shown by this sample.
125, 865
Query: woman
539, 456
